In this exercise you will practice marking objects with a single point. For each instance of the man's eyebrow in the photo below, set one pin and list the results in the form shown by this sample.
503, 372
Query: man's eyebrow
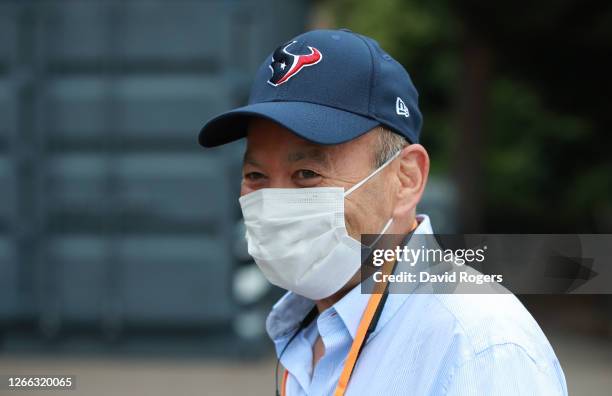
313, 153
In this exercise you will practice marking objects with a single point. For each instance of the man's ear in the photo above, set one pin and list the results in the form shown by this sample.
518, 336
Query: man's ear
412, 174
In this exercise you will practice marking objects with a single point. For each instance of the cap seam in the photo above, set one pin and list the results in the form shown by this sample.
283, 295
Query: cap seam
371, 98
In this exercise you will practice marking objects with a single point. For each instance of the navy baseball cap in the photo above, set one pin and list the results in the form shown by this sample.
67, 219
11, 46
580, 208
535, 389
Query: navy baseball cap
328, 87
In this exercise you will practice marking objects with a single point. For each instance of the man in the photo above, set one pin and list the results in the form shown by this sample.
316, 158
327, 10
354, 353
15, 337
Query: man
332, 129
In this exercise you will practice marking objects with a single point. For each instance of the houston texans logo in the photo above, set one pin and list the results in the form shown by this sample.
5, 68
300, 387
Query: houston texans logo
286, 65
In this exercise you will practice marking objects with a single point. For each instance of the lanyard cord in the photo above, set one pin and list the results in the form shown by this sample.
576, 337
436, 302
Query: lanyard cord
370, 317
303, 324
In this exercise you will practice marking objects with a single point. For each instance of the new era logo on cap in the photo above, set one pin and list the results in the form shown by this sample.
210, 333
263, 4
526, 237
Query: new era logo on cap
401, 108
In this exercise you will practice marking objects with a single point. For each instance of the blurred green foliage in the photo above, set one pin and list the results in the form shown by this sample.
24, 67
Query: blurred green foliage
545, 163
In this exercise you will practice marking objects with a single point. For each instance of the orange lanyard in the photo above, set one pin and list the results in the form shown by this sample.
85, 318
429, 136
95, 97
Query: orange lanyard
368, 323
364, 330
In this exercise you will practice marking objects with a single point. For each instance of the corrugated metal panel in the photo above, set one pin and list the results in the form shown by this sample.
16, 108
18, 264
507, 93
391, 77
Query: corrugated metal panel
9, 281
110, 214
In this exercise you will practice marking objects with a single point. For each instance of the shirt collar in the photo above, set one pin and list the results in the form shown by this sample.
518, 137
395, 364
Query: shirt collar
291, 309
287, 314
350, 309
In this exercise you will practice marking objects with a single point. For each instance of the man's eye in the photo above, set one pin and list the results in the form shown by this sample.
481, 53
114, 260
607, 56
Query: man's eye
253, 176
306, 174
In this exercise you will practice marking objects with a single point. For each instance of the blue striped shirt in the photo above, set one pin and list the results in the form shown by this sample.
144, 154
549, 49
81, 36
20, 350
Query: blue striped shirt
424, 344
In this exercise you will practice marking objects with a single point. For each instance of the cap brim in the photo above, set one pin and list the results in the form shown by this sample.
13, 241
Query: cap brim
316, 123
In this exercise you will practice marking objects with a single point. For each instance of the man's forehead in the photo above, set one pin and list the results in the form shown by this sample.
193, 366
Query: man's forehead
294, 153
262, 131
266, 138
269, 137
318, 153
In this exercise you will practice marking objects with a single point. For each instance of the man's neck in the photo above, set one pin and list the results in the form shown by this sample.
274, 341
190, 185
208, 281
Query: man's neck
325, 303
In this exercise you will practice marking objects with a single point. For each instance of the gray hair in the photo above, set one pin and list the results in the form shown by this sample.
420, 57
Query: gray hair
389, 143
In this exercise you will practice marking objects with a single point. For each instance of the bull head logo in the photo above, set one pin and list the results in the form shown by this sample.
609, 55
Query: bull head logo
285, 65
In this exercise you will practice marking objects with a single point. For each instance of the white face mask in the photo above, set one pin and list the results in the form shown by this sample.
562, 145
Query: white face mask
298, 238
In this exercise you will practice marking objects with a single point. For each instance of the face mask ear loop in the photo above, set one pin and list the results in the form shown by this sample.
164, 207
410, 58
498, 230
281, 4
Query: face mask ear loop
385, 228
361, 183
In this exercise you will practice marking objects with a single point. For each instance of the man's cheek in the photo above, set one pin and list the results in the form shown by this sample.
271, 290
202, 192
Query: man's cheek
348, 222
244, 189
354, 224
